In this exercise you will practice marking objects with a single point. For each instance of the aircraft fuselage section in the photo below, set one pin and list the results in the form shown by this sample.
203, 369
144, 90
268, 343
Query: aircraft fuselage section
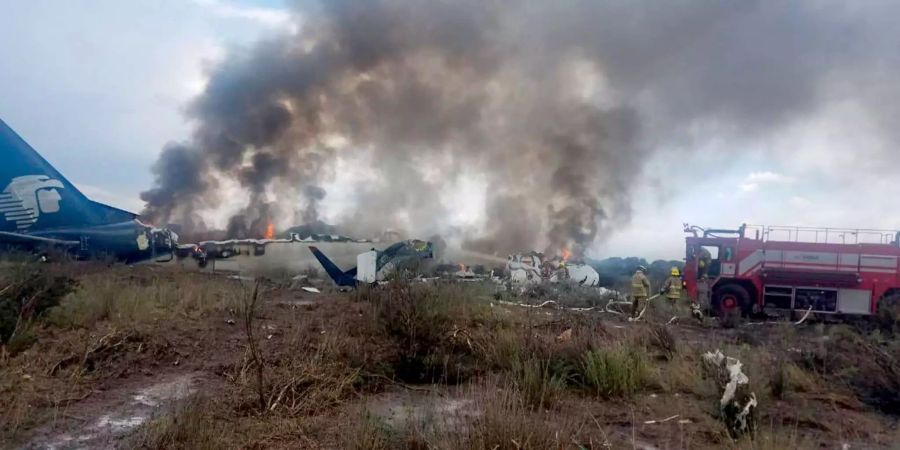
130, 240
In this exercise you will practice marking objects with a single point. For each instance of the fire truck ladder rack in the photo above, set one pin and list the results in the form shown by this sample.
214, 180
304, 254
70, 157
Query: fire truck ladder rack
821, 235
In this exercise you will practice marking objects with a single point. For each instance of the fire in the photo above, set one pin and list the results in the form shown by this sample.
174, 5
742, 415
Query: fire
270, 231
566, 254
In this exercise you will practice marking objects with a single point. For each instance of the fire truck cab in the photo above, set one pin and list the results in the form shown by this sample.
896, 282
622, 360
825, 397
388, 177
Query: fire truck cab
766, 269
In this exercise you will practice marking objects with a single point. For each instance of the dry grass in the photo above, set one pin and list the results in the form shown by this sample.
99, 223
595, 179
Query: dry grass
192, 425
528, 381
507, 423
116, 322
370, 433
122, 299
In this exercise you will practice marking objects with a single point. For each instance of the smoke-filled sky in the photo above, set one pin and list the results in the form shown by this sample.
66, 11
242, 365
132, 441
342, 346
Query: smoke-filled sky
500, 125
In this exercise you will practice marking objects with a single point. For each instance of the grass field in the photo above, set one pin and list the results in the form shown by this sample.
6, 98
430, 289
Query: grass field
421, 366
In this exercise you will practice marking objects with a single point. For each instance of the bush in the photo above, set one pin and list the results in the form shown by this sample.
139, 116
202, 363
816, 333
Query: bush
371, 433
506, 423
431, 329
415, 321
619, 371
538, 381
869, 367
191, 426
27, 289
662, 339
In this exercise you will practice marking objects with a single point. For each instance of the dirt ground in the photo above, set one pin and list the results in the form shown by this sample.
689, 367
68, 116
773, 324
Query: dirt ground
162, 359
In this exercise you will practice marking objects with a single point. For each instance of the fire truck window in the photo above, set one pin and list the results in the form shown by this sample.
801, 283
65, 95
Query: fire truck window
727, 254
708, 262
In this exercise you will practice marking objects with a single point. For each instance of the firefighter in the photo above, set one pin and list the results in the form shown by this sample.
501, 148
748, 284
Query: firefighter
640, 289
703, 263
672, 288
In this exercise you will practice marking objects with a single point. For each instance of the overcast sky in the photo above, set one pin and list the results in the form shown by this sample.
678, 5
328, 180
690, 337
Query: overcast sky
99, 89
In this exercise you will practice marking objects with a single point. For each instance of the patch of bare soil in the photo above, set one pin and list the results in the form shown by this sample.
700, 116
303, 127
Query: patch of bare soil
98, 422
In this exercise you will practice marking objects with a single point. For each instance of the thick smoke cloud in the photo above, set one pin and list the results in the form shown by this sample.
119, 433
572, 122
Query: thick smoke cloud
557, 105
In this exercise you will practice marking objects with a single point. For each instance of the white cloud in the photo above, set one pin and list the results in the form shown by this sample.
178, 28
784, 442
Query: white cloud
271, 17
757, 179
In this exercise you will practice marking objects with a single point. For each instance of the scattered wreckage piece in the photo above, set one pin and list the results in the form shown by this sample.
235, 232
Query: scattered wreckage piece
667, 419
737, 406
376, 266
534, 268
554, 305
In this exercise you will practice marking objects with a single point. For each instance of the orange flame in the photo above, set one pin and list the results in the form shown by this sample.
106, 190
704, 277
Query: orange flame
566, 254
270, 231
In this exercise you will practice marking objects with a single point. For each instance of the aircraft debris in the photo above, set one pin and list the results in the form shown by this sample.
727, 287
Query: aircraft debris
40, 209
376, 266
533, 267
737, 405
654, 422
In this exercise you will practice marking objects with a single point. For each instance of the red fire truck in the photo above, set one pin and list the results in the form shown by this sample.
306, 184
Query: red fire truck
765, 269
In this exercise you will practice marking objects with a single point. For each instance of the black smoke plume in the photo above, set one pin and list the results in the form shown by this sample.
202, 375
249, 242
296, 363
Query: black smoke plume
557, 105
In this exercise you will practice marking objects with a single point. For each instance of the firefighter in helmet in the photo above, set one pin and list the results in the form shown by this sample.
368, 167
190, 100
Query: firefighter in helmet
640, 289
672, 288
703, 262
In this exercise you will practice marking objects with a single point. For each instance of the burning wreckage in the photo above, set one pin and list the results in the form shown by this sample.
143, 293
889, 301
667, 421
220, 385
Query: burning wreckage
534, 267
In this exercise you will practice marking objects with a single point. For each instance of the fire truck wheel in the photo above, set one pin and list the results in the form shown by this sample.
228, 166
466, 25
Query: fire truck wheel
730, 303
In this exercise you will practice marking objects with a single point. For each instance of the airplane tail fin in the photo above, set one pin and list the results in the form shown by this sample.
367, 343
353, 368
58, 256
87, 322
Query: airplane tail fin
35, 196
340, 277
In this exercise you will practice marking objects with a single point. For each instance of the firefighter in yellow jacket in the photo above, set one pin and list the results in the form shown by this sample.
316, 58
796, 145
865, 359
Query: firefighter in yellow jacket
640, 289
673, 285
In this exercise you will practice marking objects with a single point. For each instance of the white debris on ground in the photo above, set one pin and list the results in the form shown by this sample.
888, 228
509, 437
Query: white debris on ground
311, 289
737, 404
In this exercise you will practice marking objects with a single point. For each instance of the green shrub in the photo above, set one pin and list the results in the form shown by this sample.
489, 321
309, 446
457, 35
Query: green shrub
538, 381
619, 371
